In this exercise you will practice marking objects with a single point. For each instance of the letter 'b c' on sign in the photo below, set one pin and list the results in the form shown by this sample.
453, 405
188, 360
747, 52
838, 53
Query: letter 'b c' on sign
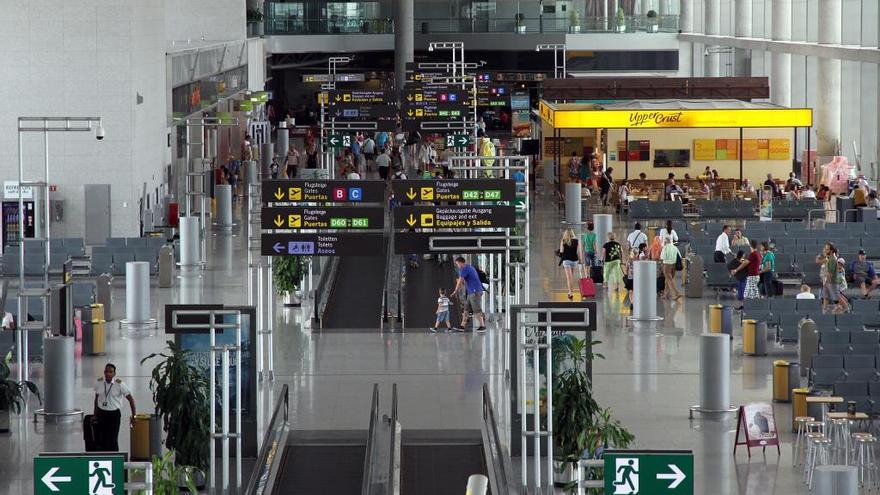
355, 193
339, 194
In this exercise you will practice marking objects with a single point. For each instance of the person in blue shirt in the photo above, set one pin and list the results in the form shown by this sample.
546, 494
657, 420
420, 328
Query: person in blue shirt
861, 271
469, 279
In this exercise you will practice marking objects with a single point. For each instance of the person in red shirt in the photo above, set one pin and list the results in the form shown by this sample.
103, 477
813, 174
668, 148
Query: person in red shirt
754, 270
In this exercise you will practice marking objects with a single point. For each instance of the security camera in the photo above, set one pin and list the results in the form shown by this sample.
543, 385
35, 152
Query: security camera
99, 132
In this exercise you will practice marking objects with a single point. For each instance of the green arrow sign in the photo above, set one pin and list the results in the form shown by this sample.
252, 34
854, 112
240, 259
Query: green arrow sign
649, 472
338, 140
457, 140
78, 474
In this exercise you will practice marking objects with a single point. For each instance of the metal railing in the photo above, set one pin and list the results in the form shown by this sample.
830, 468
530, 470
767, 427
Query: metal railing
496, 457
382, 461
262, 479
324, 288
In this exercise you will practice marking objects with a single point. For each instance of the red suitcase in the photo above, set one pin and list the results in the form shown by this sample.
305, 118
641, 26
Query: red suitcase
588, 288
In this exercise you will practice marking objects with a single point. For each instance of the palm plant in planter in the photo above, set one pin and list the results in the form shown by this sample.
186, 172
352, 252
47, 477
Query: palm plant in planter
181, 394
580, 426
287, 273
12, 393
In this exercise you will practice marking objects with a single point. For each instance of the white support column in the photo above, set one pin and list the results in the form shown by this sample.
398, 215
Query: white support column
827, 123
743, 29
645, 7
685, 48
712, 16
780, 72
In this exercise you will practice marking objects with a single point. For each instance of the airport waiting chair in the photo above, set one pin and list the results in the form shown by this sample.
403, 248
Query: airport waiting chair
849, 320
115, 243
860, 306
120, 259
855, 391
783, 305
101, 263
860, 368
826, 370
808, 307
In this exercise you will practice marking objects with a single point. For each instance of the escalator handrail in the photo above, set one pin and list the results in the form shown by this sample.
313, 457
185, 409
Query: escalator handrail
394, 467
269, 458
371, 437
324, 289
497, 461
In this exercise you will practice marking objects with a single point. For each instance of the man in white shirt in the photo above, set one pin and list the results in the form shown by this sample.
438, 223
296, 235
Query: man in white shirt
722, 245
636, 237
109, 393
805, 293
808, 193
383, 162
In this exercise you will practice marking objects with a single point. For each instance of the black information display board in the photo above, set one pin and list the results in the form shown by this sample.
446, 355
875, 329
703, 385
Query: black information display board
454, 217
321, 191
335, 217
455, 190
343, 244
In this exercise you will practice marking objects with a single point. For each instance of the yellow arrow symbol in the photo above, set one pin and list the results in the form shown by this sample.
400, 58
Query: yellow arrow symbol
409, 112
278, 221
279, 194
411, 194
338, 98
409, 97
411, 220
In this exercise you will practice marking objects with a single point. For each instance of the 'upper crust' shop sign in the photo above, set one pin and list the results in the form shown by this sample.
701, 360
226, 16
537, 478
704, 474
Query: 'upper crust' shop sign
637, 119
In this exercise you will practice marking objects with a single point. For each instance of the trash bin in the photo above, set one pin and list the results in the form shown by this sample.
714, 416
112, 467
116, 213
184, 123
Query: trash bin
727, 320
781, 391
715, 318
94, 335
749, 336
146, 437
798, 404
166, 265
761, 338
104, 294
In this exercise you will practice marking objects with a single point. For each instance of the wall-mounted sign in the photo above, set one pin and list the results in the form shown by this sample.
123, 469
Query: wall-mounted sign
455, 190
11, 190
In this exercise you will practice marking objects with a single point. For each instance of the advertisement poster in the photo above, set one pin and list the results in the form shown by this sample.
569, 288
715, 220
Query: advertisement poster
704, 149
756, 426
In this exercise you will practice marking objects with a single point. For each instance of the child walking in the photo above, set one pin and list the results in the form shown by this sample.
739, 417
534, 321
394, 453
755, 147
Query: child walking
442, 311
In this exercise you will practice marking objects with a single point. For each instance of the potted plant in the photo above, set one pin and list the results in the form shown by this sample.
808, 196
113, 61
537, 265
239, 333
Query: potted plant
255, 22
653, 26
520, 22
574, 19
181, 395
169, 478
287, 272
581, 428
621, 20
12, 393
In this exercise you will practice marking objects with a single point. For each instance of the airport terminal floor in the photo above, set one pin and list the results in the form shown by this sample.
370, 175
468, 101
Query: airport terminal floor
649, 376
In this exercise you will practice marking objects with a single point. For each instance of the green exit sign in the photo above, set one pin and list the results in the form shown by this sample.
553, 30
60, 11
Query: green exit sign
360, 223
78, 474
649, 472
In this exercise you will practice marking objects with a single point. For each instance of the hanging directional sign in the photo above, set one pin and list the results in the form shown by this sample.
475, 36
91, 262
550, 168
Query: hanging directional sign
342, 244
419, 96
455, 190
457, 140
436, 112
338, 140
354, 97
658, 472
490, 95
318, 191
446, 242
454, 217
77, 474
335, 217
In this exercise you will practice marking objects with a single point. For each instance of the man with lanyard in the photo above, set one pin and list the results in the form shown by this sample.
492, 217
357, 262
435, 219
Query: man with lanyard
636, 237
470, 280
722, 245
108, 408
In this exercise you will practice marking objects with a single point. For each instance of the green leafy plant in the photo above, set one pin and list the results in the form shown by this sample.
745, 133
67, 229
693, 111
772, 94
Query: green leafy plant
652, 14
621, 18
169, 478
575, 18
287, 272
181, 394
12, 392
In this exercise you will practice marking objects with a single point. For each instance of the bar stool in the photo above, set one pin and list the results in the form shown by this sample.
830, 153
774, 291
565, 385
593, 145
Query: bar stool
799, 445
864, 458
838, 434
817, 455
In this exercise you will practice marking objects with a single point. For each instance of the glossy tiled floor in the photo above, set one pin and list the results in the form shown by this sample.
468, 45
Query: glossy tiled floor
649, 376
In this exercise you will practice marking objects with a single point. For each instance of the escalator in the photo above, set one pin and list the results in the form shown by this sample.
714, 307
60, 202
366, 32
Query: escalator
422, 284
439, 462
356, 298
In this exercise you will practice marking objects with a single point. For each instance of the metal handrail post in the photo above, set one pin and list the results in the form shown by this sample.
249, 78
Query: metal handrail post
212, 468
260, 326
238, 433
270, 319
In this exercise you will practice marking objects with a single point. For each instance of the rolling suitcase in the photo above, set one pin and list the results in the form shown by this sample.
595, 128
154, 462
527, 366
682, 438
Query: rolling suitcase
597, 273
778, 287
586, 286
90, 433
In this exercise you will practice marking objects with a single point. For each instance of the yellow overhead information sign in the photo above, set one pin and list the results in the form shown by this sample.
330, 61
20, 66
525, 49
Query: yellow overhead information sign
562, 118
